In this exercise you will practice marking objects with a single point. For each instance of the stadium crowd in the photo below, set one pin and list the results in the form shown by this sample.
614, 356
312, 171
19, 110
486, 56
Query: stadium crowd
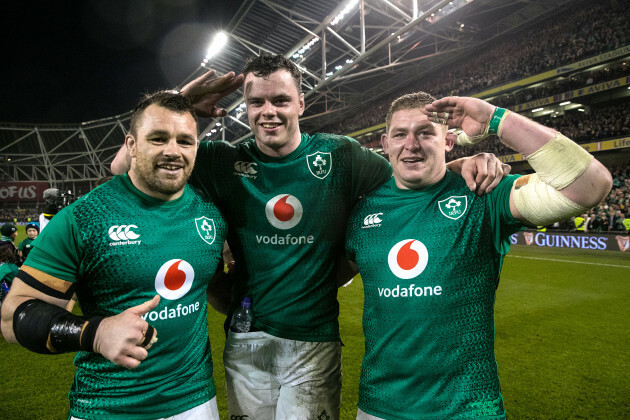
576, 81
599, 123
585, 31
610, 214
14, 215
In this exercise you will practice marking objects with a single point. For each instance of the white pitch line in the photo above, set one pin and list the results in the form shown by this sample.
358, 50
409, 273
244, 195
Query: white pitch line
569, 261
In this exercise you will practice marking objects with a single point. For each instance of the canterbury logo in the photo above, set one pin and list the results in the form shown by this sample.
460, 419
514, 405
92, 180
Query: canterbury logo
123, 232
245, 167
372, 219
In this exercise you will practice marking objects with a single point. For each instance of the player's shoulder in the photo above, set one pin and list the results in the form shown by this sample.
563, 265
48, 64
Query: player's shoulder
113, 186
331, 138
385, 193
327, 142
453, 179
99, 197
216, 147
220, 150
196, 194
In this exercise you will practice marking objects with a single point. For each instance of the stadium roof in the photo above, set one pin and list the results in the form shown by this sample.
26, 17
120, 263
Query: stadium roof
351, 52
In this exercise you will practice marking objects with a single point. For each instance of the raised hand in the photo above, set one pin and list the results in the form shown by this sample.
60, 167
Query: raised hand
121, 338
207, 90
469, 114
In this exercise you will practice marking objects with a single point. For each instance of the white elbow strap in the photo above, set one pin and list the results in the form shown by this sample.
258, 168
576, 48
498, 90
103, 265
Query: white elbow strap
540, 203
560, 162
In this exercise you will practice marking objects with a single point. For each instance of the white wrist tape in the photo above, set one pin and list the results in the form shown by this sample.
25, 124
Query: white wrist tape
540, 203
464, 140
560, 162
494, 126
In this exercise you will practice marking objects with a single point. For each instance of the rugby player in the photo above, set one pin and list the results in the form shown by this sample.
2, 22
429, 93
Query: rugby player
139, 252
431, 265
287, 196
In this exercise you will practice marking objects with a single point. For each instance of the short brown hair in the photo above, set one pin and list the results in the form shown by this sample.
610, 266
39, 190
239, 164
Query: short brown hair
265, 64
408, 101
164, 98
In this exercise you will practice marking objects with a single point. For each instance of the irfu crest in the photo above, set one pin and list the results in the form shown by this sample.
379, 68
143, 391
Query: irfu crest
454, 207
206, 229
319, 163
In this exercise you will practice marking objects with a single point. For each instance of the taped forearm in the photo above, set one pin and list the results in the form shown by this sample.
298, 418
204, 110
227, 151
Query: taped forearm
48, 329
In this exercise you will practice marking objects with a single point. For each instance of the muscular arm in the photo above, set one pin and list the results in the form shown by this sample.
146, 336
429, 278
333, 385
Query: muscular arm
121, 162
585, 188
21, 292
123, 339
527, 136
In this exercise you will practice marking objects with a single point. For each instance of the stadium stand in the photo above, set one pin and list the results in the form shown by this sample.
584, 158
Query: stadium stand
589, 31
601, 27
14, 215
589, 39
586, 32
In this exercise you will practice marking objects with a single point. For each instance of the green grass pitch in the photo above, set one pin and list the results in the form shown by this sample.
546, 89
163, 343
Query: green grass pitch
562, 343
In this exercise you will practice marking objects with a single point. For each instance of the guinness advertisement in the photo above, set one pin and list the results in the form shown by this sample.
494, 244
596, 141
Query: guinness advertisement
594, 241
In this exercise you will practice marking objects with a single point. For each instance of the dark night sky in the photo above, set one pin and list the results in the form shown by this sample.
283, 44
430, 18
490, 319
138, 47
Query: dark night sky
67, 62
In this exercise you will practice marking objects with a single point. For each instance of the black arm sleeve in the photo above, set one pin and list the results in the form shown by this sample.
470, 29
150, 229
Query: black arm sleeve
34, 321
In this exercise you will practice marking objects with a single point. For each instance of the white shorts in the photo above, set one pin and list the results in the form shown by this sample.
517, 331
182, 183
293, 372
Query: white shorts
205, 411
268, 377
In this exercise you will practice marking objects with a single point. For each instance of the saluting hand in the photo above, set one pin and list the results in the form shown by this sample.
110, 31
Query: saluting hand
207, 90
470, 114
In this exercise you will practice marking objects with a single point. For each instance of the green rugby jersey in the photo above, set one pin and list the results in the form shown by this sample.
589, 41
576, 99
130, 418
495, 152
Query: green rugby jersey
8, 272
287, 219
26, 246
120, 248
430, 262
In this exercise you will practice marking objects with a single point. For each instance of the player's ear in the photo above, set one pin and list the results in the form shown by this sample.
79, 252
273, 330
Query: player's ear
451, 140
302, 105
384, 142
130, 142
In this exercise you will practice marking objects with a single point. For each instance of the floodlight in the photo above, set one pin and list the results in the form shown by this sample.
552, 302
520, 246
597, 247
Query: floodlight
219, 41
346, 10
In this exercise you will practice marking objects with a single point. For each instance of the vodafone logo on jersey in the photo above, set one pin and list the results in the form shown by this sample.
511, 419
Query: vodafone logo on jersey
174, 279
284, 211
408, 258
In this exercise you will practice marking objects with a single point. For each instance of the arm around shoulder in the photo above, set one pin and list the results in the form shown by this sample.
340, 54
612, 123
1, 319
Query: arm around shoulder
121, 162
